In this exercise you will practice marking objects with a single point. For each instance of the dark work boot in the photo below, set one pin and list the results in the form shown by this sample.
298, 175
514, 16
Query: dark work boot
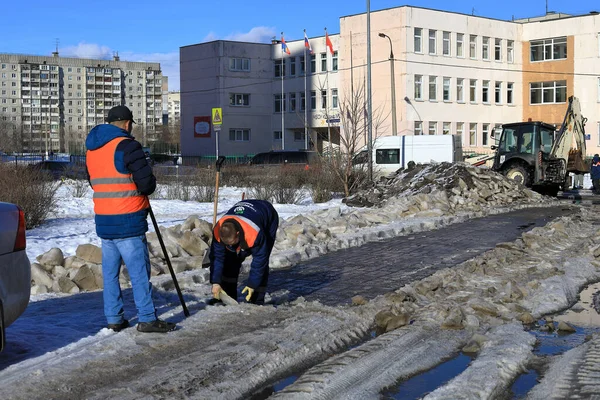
156, 326
118, 327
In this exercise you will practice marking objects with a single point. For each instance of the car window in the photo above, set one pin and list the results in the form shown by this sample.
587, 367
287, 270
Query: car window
258, 159
275, 158
387, 156
295, 158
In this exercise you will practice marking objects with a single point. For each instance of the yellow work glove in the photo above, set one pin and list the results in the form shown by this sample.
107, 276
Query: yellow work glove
250, 292
216, 291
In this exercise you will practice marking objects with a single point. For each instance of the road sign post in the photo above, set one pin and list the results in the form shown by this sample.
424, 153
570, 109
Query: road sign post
217, 121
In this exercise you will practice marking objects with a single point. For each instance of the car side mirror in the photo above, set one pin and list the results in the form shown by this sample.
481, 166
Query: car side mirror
493, 147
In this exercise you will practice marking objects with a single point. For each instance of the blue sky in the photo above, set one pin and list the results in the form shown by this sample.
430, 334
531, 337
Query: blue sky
154, 30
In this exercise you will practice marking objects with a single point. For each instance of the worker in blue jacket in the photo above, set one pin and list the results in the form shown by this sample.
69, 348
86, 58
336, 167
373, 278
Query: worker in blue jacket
595, 173
248, 228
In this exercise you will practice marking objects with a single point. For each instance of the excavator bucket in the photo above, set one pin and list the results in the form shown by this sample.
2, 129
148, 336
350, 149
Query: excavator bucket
577, 162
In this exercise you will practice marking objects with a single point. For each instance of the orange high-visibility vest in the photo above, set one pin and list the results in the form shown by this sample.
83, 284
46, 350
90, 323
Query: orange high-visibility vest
114, 193
251, 230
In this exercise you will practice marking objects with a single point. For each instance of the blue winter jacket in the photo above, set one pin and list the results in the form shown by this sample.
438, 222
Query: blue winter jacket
129, 158
595, 171
263, 221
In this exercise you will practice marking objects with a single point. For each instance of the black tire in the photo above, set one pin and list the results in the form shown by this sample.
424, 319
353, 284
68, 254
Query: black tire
518, 173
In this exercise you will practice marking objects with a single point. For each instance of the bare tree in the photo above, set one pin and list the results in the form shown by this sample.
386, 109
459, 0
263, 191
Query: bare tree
10, 135
353, 137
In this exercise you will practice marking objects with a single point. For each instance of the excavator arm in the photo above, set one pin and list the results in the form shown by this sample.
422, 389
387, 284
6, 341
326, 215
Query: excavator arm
570, 142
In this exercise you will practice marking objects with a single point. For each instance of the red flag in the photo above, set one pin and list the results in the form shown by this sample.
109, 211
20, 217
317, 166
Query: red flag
328, 43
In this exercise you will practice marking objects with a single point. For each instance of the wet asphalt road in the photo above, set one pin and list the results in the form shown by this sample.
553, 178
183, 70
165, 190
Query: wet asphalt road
380, 267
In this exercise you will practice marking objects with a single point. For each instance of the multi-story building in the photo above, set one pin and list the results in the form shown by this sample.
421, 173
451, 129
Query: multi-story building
174, 108
261, 91
52, 102
454, 74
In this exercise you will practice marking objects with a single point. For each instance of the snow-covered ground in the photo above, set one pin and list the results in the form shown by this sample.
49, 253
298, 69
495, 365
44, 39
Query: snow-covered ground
60, 349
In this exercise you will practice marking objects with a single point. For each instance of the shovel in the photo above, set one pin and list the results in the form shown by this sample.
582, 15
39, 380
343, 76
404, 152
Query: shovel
227, 300
218, 165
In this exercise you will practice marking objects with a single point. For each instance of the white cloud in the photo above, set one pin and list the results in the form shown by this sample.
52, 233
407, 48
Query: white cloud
87, 50
258, 34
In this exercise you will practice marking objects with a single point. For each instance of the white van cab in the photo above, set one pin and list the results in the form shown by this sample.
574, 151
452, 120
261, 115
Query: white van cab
390, 153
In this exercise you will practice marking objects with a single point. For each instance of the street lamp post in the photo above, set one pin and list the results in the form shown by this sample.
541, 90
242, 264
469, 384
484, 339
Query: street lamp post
48, 125
393, 83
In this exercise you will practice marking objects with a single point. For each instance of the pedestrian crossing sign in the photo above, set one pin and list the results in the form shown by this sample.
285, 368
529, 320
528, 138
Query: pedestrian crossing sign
217, 116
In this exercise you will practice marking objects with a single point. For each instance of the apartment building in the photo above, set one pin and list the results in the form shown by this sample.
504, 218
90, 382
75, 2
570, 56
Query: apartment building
174, 108
454, 74
269, 99
51, 103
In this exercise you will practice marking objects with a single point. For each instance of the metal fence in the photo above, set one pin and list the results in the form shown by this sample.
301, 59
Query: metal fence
161, 159
34, 158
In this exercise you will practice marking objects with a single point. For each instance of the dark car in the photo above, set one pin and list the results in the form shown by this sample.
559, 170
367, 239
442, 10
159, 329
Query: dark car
58, 169
286, 157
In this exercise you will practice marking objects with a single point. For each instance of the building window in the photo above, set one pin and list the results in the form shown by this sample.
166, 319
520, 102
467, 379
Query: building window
432, 43
460, 127
485, 48
472, 134
418, 40
473, 91
548, 49
302, 66
460, 94
334, 98
313, 63
548, 92
510, 51
324, 99
418, 127
298, 136
446, 126
446, 89
323, 62
498, 93
509, 93
293, 66
498, 50
292, 101
418, 87
277, 135
239, 135
485, 92
302, 101
313, 99
433, 88
433, 128
239, 64
459, 45
279, 67
279, 103
485, 131
473, 46
334, 61
446, 43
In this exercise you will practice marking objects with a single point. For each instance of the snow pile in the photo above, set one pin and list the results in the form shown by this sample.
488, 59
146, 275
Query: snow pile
465, 186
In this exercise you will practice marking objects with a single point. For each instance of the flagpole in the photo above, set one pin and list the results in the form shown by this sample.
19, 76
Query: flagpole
282, 101
327, 99
305, 97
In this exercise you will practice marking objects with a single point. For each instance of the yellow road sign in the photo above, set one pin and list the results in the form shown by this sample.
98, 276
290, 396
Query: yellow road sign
217, 116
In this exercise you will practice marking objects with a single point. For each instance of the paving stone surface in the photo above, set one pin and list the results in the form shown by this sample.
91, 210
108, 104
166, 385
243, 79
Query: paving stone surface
380, 267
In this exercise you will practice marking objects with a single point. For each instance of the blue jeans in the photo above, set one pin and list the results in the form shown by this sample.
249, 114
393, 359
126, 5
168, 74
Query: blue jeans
134, 252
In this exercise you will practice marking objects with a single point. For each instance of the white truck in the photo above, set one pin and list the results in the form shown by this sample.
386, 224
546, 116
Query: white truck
390, 153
